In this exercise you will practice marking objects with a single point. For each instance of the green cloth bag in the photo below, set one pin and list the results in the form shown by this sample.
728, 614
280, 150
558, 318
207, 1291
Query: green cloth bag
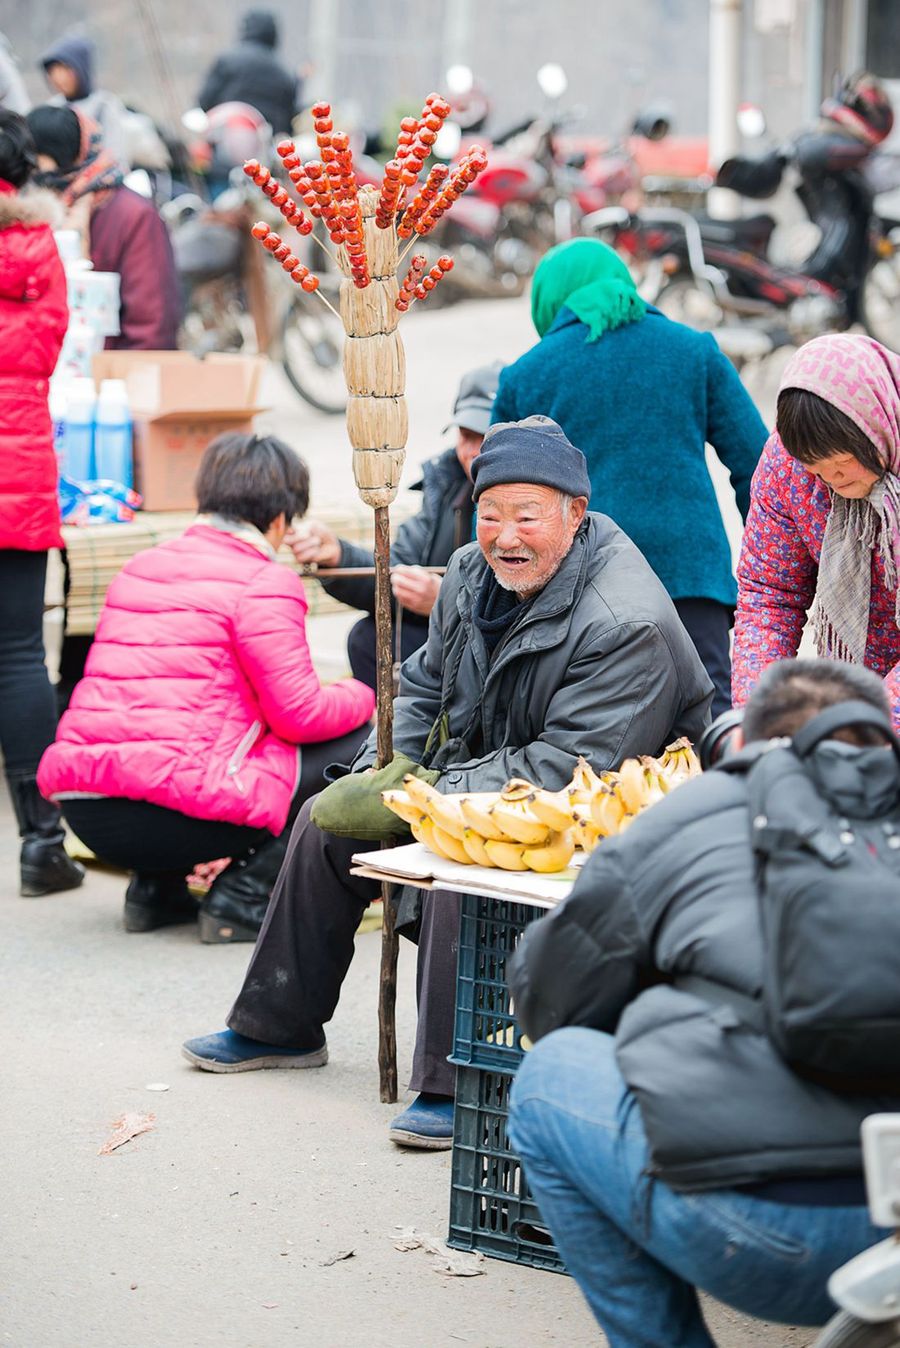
352, 808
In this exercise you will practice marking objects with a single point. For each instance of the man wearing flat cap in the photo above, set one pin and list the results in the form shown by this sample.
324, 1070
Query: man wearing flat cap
551, 637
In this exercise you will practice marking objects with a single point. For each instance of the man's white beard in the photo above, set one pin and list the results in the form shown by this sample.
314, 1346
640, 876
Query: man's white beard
527, 586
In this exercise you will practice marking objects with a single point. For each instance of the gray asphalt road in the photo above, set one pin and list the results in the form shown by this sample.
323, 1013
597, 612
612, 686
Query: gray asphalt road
219, 1226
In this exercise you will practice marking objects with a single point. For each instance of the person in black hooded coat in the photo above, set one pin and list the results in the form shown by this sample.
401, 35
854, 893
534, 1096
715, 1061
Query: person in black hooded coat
250, 72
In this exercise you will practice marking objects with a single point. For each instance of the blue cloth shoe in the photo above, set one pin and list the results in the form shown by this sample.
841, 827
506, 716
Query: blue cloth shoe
230, 1052
426, 1123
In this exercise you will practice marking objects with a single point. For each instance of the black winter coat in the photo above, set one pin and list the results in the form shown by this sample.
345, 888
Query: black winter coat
251, 73
674, 896
428, 539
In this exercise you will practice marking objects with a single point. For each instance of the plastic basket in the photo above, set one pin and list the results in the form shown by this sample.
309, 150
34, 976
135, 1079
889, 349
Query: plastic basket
486, 1031
491, 1207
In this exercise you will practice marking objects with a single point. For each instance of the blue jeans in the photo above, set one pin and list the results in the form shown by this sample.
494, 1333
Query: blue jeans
638, 1249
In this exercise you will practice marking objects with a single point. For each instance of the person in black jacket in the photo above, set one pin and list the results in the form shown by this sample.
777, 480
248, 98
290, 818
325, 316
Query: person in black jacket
428, 539
668, 1145
551, 637
250, 72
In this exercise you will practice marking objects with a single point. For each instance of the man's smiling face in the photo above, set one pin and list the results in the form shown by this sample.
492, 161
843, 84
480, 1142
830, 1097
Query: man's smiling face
525, 531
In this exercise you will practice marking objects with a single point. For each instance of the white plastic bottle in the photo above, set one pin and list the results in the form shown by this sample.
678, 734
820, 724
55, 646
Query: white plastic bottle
112, 434
57, 402
78, 436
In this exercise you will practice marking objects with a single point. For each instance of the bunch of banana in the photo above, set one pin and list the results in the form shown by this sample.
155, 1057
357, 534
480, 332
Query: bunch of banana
523, 827
484, 829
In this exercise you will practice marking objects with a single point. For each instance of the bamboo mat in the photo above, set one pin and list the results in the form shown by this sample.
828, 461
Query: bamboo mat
97, 552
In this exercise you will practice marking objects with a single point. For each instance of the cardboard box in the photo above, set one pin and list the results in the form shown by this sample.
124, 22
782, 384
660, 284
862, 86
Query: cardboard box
178, 404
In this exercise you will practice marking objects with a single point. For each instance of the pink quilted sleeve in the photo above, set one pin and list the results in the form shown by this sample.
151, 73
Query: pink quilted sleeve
892, 688
272, 649
776, 575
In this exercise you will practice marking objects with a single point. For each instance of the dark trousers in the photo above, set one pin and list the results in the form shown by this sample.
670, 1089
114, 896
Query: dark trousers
149, 838
27, 700
361, 644
708, 625
304, 949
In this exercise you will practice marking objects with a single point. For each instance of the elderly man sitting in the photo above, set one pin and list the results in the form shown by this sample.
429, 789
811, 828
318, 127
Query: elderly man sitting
551, 637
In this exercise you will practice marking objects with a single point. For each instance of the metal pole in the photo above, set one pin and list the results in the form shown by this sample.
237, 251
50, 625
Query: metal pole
725, 20
815, 58
324, 24
856, 23
384, 692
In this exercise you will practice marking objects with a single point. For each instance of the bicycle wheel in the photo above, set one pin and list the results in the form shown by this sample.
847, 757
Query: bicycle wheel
845, 1331
312, 346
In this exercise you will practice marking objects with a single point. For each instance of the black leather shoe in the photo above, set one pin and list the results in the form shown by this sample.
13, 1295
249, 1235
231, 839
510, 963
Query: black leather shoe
158, 899
238, 898
45, 866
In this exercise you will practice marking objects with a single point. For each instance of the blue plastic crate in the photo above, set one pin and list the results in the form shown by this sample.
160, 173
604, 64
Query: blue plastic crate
491, 1207
486, 1032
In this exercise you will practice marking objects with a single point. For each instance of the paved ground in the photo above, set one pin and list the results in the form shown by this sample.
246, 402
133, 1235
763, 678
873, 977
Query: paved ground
218, 1228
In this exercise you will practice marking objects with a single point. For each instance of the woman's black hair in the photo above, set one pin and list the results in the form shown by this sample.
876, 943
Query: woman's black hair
252, 478
18, 157
812, 429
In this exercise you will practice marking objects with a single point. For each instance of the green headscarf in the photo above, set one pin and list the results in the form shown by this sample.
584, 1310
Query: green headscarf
587, 277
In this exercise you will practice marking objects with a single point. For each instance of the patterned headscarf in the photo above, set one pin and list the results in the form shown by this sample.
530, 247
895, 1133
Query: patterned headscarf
861, 378
95, 169
587, 277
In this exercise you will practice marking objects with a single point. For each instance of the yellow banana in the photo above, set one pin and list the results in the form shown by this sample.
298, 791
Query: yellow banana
419, 792
583, 784
476, 813
445, 812
507, 855
555, 855
679, 759
517, 821
518, 789
423, 832
631, 786
476, 848
402, 805
552, 808
584, 830
606, 812
451, 847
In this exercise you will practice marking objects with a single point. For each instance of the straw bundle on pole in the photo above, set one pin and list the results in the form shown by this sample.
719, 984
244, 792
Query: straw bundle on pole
366, 227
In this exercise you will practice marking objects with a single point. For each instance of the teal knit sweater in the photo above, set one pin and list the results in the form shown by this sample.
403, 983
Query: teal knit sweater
641, 403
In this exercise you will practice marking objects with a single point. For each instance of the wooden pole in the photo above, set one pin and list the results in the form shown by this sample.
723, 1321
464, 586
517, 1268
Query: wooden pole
384, 676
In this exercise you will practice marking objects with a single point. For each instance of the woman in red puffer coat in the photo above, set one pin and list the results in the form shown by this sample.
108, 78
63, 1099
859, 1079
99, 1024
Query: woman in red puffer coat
33, 318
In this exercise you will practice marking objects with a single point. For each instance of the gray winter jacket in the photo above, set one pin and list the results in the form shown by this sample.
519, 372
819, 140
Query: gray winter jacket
598, 664
428, 539
676, 896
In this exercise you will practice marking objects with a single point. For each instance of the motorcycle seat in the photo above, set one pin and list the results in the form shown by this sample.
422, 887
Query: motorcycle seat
752, 232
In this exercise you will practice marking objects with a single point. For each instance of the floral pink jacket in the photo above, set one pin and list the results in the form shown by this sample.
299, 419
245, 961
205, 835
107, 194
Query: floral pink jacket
777, 577
199, 686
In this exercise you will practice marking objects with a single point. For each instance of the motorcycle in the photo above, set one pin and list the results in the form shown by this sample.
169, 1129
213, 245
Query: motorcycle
706, 272
867, 1289
521, 205
231, 297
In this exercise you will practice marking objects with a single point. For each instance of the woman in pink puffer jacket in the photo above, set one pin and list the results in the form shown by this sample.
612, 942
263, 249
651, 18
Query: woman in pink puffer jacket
180, 744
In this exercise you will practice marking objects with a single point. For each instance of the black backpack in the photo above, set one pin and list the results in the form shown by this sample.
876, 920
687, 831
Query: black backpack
829, 895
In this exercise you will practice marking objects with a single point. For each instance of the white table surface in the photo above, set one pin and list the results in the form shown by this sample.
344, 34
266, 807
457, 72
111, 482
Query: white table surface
416, 865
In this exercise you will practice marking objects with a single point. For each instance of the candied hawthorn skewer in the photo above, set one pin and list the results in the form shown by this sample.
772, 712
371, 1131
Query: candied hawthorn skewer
417, 266
422, 289
423, 200
298, 272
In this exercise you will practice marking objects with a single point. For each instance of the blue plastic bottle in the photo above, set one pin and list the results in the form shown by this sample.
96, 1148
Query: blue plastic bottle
78, 430
112, 434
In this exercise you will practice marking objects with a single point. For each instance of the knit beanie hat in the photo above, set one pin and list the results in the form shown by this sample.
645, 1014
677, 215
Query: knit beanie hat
57, 133
533, 450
